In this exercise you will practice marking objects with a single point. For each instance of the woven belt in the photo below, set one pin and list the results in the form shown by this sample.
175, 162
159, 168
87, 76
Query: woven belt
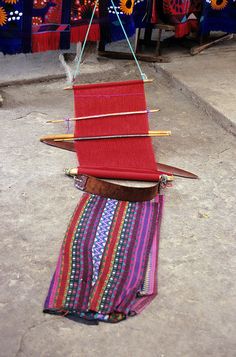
106, 189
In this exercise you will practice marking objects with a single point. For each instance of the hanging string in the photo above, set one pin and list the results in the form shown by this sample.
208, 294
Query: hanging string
143, 75
77, 69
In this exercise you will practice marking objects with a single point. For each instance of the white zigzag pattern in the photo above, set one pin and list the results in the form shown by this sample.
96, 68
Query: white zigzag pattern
102, 235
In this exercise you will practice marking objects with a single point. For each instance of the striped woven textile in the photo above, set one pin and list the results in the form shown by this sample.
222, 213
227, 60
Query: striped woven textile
107, 267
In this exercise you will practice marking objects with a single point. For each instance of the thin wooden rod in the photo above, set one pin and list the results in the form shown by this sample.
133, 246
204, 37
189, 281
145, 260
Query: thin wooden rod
165, 132
74, 171
56, 136
121, 136
70, 137
104, 115
146, 81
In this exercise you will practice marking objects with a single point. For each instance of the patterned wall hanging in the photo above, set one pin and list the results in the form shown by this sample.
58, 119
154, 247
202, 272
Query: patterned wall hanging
184, 14
50, 25
219, 15
81, 12
132, 15
15, 26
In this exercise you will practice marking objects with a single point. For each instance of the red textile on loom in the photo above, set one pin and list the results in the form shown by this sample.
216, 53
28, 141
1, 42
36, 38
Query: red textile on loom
126, 158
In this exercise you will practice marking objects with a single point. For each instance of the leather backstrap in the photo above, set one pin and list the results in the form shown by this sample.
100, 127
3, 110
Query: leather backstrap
106, 189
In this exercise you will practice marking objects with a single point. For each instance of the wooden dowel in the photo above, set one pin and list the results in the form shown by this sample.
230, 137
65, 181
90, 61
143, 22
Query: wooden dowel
104, 116
146, 81
74, 171
56, 136
70, 137
118, 136
165, 132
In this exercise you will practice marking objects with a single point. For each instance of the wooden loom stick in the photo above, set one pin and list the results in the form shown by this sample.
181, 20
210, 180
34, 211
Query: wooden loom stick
74, 171
71, 136
145, 81
56, 136
121, 136
104, 115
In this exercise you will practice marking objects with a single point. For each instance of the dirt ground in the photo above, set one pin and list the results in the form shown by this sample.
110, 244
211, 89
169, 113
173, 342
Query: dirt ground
194, 313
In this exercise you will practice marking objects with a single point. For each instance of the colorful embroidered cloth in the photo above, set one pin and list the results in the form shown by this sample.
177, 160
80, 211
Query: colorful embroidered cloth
50, 25
127, 158
81, 12
15, 26
132, 14
183, 14
44, 25
219, 15
107, 268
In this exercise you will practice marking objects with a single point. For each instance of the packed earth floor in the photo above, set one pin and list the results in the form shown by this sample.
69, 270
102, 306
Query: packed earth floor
194, 312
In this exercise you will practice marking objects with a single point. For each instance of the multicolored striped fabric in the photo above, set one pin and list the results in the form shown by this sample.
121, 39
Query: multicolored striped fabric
107, 267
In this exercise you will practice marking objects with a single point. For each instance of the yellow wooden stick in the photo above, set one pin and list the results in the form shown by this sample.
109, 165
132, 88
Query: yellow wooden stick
70, 137
118, 136
56, 136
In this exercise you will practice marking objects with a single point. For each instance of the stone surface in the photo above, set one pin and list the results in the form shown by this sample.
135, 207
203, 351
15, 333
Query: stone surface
194, 313
209, 78
26, 68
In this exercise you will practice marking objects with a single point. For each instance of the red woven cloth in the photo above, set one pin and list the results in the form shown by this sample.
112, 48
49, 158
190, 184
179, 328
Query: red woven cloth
129, 158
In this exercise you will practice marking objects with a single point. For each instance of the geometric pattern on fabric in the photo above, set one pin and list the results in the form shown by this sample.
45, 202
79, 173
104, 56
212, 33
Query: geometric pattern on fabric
46, 15
183, 14
126, 271
102, 235
57, 23
42, 25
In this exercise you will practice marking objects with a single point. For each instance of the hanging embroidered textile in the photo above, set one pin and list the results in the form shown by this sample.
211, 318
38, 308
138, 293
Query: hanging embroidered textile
15, 26
132, 15
219, 15
107, 267
50, 25
184, 14
45, 24
81, 12
131, 159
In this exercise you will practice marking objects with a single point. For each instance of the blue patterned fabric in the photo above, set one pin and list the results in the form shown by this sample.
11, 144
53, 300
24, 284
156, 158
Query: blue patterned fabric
132, 14
15, 26
219, 15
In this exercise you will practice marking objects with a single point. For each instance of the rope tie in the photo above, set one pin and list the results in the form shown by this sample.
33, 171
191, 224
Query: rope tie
143, 75
77, 69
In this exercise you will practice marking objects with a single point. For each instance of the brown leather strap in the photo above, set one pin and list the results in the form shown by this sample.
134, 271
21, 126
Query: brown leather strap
110, 190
